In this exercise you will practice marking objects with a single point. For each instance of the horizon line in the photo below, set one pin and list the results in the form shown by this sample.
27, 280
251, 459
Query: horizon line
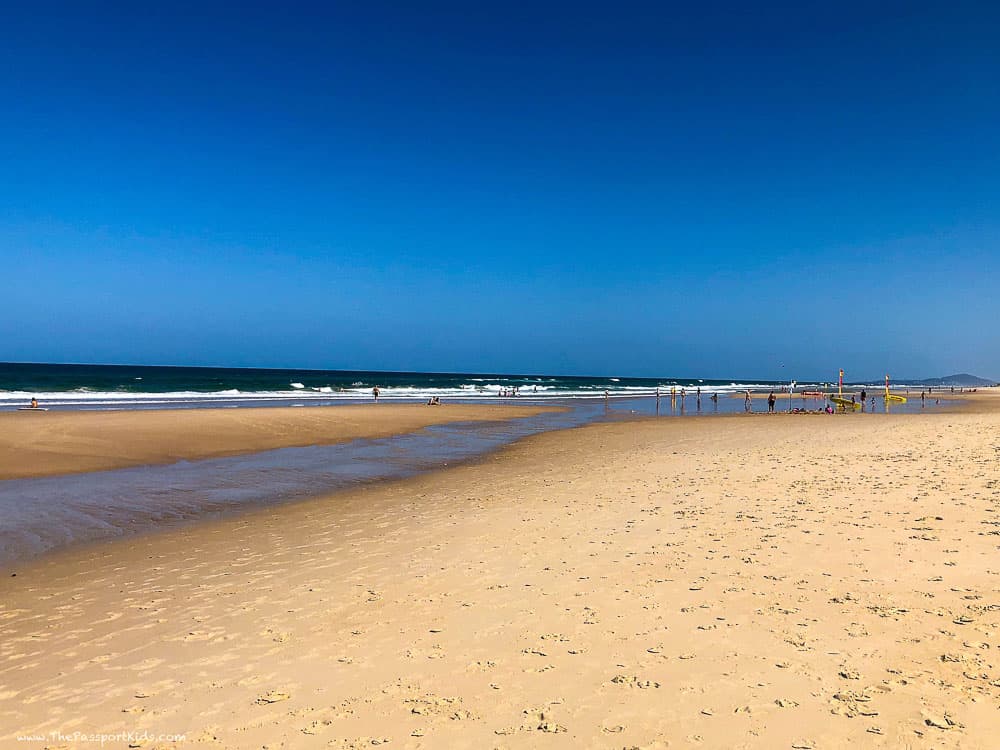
877, 380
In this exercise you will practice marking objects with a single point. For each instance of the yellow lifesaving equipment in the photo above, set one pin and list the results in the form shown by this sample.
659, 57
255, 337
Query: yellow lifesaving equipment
845, 402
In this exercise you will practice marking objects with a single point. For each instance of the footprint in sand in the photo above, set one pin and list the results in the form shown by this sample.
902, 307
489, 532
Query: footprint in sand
316, 727
273, 696
939, 721
633, 681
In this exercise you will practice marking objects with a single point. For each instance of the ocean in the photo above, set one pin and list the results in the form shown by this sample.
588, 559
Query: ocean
60, 386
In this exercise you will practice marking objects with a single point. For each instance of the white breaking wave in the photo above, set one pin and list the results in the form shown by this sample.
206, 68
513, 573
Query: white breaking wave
480, 390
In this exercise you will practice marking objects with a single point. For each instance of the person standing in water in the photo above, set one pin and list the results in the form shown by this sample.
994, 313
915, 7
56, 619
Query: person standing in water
375, 393
770, 402
748, 403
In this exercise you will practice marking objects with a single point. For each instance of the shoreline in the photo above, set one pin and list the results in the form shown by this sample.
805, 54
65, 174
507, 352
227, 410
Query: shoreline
69, 442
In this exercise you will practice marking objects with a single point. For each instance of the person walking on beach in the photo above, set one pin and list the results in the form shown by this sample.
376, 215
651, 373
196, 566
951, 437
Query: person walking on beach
923, 396
375, 392
748, 403
770, 403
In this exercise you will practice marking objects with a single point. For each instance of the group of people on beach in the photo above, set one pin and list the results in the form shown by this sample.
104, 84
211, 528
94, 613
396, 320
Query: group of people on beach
772, 400
674, 395
513, 392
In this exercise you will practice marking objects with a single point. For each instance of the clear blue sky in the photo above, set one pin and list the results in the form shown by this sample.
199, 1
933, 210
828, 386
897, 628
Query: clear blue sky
713, 190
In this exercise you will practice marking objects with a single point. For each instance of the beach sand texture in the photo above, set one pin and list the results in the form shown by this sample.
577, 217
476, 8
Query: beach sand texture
34, 444
761, 582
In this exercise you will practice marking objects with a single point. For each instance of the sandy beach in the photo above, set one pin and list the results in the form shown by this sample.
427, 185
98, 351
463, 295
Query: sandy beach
765, 581
34, 444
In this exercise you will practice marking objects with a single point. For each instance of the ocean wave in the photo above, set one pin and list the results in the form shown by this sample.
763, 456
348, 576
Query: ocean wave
473, 390
483, 390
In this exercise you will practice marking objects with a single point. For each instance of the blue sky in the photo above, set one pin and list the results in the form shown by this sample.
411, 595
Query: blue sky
713, 190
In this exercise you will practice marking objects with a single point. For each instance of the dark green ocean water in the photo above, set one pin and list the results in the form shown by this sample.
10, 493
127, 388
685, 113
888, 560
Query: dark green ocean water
125, 386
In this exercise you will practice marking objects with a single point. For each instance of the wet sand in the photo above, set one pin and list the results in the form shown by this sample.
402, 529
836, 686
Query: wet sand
777, 581
34, 444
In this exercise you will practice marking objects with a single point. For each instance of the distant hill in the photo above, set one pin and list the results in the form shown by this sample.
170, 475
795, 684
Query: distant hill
963, 380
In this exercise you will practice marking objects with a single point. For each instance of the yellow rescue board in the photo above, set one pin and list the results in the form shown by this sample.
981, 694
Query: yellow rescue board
896, 399
846, 402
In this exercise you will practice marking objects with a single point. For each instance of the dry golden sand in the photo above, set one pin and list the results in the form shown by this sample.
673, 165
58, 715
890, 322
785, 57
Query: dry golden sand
34, 444
766, 582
